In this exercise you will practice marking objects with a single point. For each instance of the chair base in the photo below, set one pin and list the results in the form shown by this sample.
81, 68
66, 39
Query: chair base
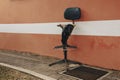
65, 60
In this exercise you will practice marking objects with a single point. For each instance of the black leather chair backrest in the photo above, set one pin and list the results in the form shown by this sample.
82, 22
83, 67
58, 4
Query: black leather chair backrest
72, 13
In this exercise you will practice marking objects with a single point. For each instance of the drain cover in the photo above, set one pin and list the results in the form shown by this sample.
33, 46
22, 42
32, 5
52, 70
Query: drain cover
86, 73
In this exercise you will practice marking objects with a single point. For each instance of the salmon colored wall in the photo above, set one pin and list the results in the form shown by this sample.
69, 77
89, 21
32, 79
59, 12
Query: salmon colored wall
25, 11
98, 51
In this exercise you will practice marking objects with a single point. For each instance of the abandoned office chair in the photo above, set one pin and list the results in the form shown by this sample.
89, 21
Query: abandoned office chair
73, 14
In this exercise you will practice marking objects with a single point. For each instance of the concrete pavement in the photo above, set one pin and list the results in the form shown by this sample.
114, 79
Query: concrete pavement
38, 65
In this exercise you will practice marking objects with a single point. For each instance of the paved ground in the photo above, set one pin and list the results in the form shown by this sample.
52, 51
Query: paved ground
39, 64
7, 73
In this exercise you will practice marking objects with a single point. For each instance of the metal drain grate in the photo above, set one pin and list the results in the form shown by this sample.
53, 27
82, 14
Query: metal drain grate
86, 73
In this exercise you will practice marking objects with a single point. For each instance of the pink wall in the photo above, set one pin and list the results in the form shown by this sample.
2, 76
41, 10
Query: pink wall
29, 11
94, 50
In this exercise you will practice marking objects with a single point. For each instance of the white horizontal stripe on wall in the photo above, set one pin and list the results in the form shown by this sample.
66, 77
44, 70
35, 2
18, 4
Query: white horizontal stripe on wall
94, 28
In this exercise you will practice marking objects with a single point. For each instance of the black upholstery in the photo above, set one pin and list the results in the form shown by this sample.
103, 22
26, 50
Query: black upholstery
72, 13
66, 33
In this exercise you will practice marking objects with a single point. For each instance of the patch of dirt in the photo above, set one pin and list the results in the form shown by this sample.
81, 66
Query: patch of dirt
12, 74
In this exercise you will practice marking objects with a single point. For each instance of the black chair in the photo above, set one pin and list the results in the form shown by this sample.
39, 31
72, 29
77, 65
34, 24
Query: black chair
73, 13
